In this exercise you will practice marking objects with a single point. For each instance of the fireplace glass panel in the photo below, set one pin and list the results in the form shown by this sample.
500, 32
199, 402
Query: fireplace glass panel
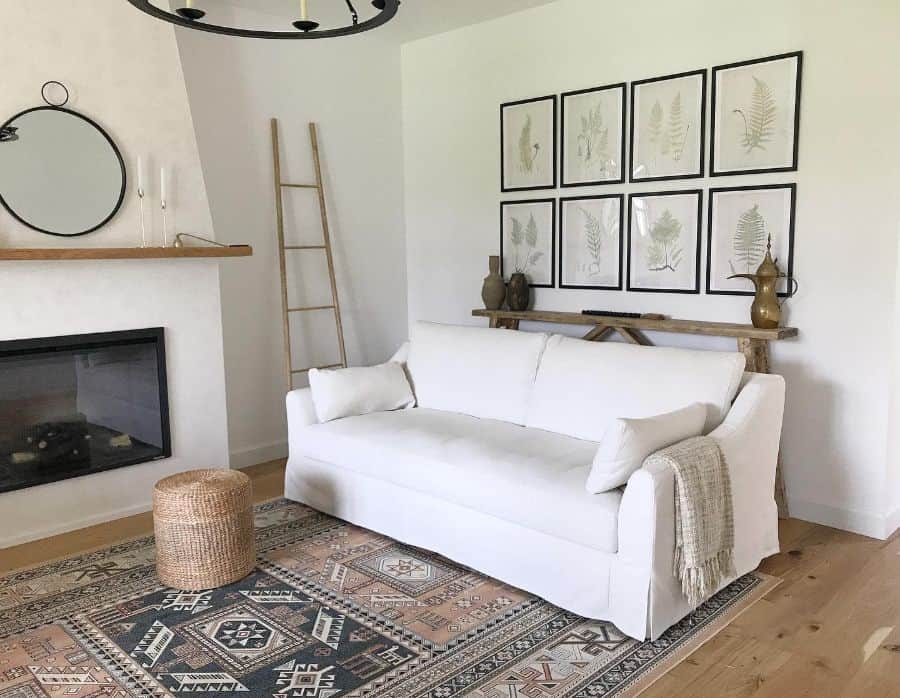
71, 406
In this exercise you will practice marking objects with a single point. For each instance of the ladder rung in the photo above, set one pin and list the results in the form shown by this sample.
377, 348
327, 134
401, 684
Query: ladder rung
305, 247
312, 307
300, 186
321, 368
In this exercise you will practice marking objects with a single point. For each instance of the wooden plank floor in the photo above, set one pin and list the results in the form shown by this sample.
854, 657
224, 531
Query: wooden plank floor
831, 628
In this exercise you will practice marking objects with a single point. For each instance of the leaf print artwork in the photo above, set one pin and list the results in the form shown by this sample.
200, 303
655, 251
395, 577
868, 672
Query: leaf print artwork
528, 151
669, 138
527, 235
664, 253
749, 241
597, 233
759, 119
593, 140
678, 129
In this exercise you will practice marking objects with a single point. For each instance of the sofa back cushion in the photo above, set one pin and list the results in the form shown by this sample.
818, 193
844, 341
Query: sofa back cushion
481, 372
582, 387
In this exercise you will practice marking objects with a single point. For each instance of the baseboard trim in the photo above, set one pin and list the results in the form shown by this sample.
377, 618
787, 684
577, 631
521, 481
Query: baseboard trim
69, 526
261, 453
863, 523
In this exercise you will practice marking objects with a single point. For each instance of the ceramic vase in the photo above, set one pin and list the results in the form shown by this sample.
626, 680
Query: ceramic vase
493, 291
518, 294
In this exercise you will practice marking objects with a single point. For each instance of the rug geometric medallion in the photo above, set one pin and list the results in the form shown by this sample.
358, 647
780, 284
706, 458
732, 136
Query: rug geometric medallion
331, 610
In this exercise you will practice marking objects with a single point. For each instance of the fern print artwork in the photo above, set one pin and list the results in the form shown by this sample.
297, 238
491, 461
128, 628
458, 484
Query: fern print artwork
741, 220
664, 240
755, 115
528, 144
528, 149
524, 240
591, 239
664, 253
526, 243
593, 140
749, 241
667, 116
593, 136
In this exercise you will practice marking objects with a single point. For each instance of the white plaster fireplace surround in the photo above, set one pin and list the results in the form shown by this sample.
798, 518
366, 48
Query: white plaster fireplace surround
42, 299
123, 71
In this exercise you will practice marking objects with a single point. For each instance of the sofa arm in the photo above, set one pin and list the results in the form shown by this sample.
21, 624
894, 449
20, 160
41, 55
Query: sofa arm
300, 409
749, 438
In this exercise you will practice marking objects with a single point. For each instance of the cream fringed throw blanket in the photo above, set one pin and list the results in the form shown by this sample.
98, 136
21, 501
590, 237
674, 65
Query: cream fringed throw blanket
704, 518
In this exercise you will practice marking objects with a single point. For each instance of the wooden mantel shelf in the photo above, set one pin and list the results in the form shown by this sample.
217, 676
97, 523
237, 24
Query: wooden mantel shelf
84, 253
710, 329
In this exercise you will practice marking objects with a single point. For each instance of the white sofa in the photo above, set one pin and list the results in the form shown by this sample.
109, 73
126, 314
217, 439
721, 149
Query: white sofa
490, 468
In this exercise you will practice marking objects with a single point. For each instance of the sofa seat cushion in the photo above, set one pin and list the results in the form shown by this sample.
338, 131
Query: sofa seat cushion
582, 387
525, 476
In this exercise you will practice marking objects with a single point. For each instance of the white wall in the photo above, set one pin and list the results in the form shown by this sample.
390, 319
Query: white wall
122, 70
351, 87
838, 371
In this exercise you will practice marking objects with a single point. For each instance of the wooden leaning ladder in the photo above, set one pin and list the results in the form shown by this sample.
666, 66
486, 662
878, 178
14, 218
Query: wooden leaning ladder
283, 249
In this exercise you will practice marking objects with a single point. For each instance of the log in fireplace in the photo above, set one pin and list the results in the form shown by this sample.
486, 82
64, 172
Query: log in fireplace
81, 404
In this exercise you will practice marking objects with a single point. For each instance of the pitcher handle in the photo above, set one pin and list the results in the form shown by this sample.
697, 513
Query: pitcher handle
794, 286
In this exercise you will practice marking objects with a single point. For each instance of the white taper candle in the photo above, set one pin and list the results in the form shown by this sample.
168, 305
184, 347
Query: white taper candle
304, 10
140, 174
162, 183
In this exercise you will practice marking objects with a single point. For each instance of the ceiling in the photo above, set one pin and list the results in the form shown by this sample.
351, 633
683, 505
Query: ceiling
416, 19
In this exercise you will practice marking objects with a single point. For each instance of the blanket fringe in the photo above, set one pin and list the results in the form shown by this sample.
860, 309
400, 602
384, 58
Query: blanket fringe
698, 582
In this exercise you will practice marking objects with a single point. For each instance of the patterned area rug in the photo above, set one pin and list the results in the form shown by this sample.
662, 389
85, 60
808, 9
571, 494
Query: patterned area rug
331, 610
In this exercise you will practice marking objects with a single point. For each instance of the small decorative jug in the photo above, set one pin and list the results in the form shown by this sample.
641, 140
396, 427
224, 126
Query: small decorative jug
765, 313
493, 291
518, 295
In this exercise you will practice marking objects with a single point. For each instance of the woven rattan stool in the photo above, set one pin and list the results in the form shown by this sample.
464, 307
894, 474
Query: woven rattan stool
204, 529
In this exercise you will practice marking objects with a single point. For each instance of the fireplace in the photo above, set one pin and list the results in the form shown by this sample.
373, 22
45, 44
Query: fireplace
81, 404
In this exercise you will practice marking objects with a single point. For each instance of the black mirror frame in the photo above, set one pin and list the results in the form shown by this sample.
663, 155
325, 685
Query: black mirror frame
115, 149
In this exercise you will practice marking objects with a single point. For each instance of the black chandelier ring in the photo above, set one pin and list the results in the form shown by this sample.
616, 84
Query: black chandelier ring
306, 29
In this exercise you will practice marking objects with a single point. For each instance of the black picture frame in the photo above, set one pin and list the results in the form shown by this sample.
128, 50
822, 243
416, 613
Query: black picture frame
552, 204
562, 246
112, 144
792, 187
713, 172
623, 87
683, 192
533, 100
702, 159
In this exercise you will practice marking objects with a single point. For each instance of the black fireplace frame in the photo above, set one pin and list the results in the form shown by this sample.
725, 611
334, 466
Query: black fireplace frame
100, 340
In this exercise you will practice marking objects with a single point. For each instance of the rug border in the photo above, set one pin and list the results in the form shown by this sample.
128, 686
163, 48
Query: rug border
768, 583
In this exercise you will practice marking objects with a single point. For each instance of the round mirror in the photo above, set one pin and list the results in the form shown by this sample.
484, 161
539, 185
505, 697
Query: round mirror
60, 173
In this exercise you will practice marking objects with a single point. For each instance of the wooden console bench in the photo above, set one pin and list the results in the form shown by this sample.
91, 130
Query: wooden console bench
752, 342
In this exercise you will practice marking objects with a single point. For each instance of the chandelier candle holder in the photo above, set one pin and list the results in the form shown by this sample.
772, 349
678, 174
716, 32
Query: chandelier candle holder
191, 16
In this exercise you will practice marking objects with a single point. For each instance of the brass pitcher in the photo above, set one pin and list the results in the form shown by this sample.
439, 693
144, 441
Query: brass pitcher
765, 313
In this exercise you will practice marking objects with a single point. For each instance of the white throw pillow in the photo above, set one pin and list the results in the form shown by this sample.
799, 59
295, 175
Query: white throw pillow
348, 392
627, 442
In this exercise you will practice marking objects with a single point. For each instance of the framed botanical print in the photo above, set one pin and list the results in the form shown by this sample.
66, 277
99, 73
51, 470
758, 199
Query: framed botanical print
664, 241
590, 242
756, 115
742, 220
593, 136
527, 240
668, 127
528, 144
